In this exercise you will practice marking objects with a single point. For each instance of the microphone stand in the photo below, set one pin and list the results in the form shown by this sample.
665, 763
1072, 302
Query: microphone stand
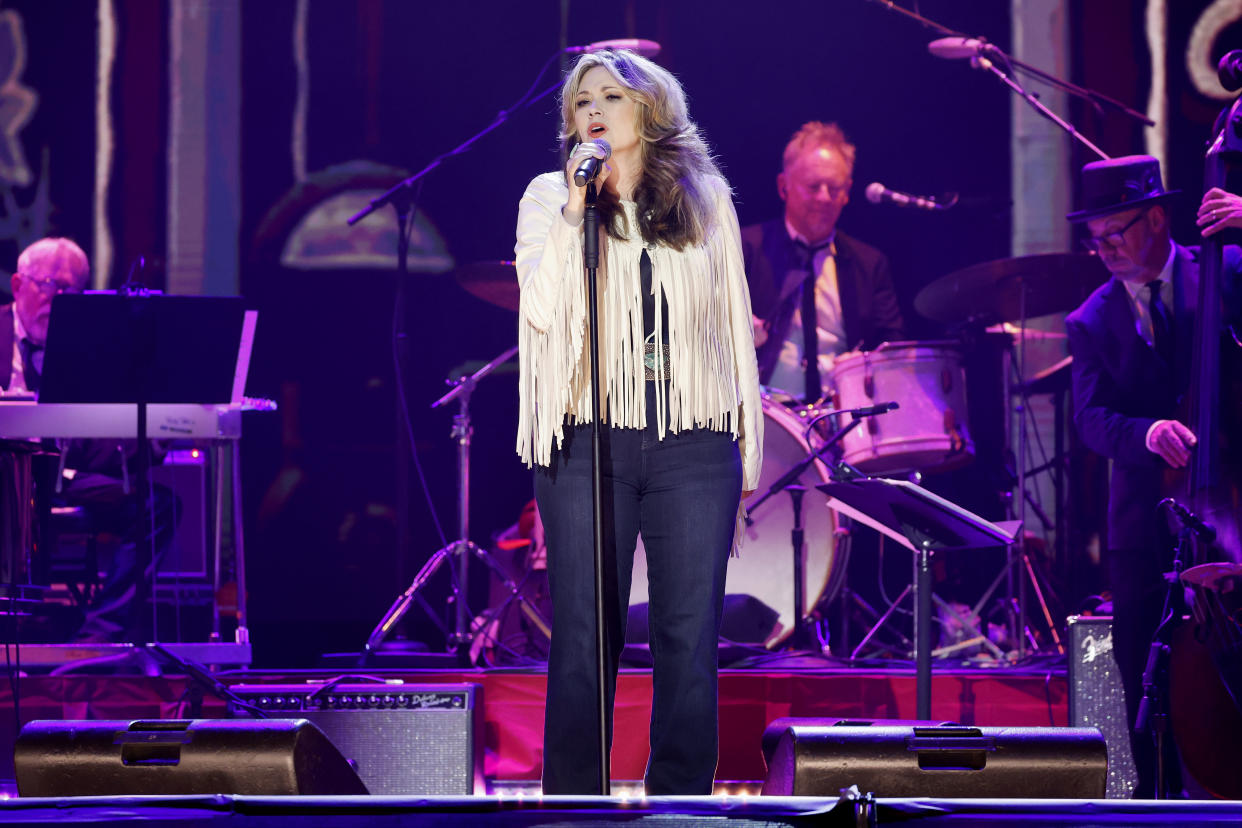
1096, 99
403, 197
590, 256
981, 61
1152, 716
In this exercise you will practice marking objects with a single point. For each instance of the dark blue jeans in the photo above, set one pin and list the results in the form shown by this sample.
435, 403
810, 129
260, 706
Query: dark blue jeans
682, 494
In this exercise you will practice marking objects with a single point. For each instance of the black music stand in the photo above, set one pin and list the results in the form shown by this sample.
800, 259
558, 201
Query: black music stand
923, 523
141, 349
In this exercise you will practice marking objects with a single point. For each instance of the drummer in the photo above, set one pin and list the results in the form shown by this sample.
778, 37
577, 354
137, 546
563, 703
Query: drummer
801, 263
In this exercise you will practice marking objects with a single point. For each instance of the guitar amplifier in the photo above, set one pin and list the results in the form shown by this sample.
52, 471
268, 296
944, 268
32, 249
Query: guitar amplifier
1096, 698
403, 739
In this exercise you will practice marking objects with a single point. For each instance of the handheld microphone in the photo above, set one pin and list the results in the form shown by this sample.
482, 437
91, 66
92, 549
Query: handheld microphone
590, 167
639, 46
877, 193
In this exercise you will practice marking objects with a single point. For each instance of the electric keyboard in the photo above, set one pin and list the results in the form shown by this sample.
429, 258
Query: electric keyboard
165, 421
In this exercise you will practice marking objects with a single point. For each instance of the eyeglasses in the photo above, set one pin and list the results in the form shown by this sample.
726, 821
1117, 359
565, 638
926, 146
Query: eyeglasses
835, 191
51, 287
1115, 239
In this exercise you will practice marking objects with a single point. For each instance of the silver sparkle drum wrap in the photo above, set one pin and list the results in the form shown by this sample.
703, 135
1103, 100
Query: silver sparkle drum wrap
1096, 698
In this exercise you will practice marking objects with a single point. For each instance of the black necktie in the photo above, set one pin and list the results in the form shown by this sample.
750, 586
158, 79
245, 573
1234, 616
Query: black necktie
810, 320
1161, 323
30, 368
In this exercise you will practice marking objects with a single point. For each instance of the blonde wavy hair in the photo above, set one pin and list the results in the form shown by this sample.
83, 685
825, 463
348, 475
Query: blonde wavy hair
674, 194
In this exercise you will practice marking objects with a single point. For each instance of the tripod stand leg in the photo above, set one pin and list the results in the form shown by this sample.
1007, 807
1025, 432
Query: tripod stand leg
515, 594
880, 623
1043, 604
402, 605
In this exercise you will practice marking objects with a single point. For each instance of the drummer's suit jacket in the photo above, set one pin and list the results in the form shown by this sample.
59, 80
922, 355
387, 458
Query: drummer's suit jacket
869, 306
1121, 386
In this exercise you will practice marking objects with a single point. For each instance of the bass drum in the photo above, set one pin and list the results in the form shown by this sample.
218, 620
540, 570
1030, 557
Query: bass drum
764, 571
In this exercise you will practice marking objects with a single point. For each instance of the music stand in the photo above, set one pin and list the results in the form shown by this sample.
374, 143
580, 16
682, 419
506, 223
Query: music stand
115, 348
924, 523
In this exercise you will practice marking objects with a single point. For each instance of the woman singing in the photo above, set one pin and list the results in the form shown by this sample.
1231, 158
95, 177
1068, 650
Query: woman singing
682, 425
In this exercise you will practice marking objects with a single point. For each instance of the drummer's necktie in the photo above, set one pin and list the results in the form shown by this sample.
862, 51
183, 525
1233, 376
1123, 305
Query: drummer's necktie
810, 320
32, 357
1161, 324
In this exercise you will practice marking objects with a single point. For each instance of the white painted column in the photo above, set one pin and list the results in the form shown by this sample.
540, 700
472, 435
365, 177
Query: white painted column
204, 146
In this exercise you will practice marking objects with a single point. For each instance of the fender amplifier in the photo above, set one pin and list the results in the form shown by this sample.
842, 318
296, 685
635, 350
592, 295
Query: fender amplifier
403, 739
1096, 697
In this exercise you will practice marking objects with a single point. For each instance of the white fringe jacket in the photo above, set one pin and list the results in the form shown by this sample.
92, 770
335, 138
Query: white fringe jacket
714, 380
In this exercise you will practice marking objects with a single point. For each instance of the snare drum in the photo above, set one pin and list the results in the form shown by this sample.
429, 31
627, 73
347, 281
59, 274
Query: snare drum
765, 569
929, 431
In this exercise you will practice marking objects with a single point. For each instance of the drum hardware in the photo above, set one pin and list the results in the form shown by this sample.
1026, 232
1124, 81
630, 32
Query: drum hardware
1004, 290
763, 571
458, 551
876, 622
925, 524
978, 637
1017, 289
803, 637
1019, 555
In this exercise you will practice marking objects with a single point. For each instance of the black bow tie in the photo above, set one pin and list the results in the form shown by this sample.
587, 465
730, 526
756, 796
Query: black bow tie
812, 249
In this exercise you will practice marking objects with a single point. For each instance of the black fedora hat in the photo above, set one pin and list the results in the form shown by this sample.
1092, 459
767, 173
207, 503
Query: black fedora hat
1117, 184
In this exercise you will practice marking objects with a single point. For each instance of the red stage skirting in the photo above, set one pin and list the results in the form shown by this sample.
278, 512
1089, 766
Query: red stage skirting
513, 707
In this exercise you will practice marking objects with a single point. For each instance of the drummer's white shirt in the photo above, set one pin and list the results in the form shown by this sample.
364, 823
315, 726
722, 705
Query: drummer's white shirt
789, 374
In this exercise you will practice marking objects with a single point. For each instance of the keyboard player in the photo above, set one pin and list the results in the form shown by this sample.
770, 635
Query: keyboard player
95, 473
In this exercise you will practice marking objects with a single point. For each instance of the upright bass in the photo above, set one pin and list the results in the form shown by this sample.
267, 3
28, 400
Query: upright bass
1206, 655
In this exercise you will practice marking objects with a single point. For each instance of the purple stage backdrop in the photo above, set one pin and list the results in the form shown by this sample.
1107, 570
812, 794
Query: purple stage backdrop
339, 97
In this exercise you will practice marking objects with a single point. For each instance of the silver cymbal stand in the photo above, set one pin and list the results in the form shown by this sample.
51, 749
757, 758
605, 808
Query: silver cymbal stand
461, 548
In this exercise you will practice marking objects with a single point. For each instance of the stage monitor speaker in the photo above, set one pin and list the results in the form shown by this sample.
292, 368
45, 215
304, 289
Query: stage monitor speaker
1096, 697
948, 761
404, 739
264, 757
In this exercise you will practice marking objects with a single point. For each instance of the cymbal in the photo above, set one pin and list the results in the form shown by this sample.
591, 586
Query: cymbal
1029, 334
493, 282
993, 291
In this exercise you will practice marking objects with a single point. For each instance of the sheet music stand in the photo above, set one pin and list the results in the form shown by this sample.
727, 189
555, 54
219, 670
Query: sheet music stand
116, 348
924, 523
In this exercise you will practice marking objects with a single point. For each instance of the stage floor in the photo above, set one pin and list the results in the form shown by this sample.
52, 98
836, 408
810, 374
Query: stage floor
513, 703
567, 812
